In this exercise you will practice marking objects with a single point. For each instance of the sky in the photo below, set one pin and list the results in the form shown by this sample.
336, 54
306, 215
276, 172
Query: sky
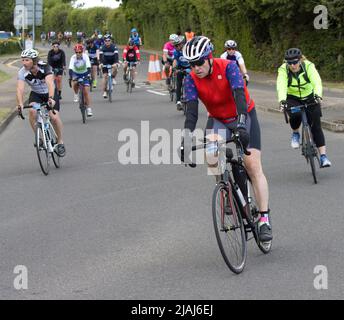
98, 3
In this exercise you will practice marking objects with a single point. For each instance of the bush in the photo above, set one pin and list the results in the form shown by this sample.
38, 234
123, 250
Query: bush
9, 46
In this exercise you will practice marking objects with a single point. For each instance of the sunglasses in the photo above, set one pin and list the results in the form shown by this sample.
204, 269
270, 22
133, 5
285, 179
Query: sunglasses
107, 40
55, 45
197, 63
293, 62
78, 52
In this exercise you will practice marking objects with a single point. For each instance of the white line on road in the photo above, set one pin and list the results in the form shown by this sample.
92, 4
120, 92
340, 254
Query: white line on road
158, 93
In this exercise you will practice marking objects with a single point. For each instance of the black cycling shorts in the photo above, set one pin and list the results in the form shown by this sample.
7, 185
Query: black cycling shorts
41, 98
252, 126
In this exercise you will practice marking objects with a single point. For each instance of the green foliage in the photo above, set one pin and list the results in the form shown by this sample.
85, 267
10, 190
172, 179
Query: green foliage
6, 15
9, 46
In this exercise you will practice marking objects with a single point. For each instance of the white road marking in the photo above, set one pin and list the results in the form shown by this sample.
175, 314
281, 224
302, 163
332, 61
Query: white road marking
158, 93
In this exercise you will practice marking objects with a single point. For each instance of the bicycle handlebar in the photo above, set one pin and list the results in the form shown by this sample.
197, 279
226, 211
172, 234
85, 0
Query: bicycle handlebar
293, 109
44, 104
235, 138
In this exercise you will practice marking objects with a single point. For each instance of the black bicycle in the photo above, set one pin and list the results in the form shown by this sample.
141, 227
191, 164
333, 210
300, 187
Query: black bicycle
172, 86
45, 137
308, 147
129, 75
234, 208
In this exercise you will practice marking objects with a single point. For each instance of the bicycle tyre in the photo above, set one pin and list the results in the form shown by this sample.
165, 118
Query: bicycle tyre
82, 105
253, 216
223, 211
130, 83
310, 153
54, 155
42, 152
110, 88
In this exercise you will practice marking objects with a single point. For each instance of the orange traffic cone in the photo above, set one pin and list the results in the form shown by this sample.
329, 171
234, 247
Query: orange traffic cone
153, 69
163, 73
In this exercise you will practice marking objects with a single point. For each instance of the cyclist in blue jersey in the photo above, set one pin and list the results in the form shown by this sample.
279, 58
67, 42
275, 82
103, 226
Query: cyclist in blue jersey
180, 64
135, 37
93, 53
108, 55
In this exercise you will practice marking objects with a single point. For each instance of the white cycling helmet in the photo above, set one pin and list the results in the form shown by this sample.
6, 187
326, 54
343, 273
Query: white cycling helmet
178, 40
173, 37
30, 53
230, 44
197, 48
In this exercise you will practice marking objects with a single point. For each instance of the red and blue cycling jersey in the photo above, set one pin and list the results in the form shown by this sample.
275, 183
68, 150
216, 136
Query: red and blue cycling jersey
216, 90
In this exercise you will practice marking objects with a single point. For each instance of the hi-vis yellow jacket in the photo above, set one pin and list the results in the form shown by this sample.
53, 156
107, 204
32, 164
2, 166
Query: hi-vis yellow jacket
300, 86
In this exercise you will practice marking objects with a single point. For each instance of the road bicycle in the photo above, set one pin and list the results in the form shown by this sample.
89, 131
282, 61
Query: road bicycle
185, 72
234, 208
129, 76
308, 147
45, 137
109, 82
81, 93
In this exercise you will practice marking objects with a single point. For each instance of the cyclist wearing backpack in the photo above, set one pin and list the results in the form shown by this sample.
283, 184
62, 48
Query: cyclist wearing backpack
299, 82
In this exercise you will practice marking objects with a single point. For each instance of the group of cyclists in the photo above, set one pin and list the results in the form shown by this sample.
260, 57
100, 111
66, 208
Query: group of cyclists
220, 83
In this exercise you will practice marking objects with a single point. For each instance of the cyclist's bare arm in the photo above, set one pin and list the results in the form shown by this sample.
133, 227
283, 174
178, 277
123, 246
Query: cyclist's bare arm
49, 79
20, 92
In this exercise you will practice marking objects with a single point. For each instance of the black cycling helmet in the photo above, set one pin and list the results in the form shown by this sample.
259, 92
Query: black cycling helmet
55, 42
293, 54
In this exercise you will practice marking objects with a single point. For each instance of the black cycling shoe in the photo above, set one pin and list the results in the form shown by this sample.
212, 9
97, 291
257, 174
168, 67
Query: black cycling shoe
265, 232
61, 150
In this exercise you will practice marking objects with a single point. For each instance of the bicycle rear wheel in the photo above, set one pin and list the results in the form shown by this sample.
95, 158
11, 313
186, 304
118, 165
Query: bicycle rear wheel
229, 228
41, 148
310, 152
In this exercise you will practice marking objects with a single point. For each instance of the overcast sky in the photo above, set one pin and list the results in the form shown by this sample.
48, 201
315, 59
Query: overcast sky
98, 3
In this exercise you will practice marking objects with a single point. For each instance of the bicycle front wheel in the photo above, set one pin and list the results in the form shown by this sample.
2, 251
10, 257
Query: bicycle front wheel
310, 152
41, 148
82, 105
110, 89
229, 228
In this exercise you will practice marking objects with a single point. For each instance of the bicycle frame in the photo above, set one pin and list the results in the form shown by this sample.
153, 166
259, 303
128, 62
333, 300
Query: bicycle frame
129, 75
82, 106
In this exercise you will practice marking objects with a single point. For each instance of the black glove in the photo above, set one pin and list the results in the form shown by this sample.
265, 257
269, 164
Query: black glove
317, 99
283, 105
244, 137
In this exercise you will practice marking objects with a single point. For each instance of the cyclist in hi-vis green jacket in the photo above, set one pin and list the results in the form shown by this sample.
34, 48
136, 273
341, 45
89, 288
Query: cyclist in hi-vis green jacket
299, 82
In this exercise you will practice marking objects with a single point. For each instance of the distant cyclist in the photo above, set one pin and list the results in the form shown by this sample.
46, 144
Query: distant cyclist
57, 60
131, 54
299, 82
80, 67
134, 35
233, 54
181, 65
93, 52
39, 77
43, 38
108, 56
167, 56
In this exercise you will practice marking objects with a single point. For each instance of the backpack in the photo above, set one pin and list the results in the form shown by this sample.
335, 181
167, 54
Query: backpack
290, 76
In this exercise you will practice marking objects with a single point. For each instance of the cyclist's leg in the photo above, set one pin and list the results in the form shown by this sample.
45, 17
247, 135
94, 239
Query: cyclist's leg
55, 118
295, 119
114, 71
179, 85
87, 93
125, 67
313, 117
253, 163
33, 98
105, 79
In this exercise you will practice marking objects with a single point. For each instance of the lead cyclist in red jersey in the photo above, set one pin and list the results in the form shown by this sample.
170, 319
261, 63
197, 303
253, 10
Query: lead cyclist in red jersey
218, 83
